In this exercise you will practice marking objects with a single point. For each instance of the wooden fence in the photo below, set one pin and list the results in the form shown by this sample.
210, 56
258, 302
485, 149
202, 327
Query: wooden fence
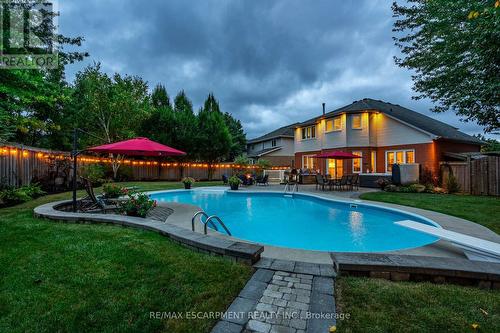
478, 177
19, 165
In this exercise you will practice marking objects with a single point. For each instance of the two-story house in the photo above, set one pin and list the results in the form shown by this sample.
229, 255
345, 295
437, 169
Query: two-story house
277, 147
382, 134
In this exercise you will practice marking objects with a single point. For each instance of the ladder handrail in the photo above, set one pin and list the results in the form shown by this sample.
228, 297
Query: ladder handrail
218, 220
295, 188
206, 221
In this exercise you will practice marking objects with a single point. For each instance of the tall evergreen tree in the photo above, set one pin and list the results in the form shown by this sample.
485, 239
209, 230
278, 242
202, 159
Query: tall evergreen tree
159, 97
238, 136
214, 138
185, 126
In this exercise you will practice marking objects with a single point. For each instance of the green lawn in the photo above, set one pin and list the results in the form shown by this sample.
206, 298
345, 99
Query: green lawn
480, 209
376, 305
75, 278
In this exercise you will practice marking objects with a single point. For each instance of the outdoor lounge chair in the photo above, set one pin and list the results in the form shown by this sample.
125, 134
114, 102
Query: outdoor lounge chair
262, 180
320, 182
93, 202
474, 248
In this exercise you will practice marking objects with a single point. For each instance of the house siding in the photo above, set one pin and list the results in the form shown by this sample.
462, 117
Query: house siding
390, 132
281, 157
428, 155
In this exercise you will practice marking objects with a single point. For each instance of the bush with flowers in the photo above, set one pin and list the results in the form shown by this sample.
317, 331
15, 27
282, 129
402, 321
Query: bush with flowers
111, 191
137, 203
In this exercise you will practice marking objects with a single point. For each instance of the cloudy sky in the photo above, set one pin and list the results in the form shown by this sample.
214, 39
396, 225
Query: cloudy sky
268, 62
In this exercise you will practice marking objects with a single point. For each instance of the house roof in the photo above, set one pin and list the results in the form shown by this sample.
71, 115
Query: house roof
264, 152
435, 127
285, 131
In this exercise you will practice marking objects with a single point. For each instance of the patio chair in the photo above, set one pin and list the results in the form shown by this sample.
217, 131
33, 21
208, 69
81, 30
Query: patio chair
340, 184
320, 182
93, 202
225, 180
355, 181
262, 180
349, 182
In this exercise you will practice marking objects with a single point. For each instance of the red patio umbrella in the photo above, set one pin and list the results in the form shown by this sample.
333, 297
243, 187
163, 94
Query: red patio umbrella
337, 155
137, 147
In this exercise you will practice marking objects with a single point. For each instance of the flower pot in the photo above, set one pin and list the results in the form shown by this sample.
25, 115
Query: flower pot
234, 187
187, 186
132, 213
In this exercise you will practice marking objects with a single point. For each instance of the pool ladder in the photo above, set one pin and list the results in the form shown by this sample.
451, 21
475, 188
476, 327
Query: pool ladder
289, 190
208, 219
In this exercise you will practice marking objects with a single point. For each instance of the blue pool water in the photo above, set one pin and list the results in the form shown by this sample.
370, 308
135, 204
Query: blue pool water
304, 222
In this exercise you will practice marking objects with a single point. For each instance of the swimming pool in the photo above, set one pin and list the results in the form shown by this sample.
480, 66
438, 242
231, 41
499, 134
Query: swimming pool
304, 221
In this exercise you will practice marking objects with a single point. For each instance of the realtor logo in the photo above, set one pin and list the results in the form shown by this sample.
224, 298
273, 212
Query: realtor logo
28, 34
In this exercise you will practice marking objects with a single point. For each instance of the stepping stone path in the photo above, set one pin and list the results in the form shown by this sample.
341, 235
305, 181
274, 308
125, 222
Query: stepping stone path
281, 301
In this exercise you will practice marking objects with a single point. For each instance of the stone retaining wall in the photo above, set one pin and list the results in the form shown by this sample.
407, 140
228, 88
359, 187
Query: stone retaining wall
237, 251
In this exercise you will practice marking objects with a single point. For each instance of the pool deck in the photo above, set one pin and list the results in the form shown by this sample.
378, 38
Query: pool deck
183, 213
438, 262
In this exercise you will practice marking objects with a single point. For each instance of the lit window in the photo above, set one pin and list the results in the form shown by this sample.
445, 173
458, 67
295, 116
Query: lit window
356, 162
309, 132
399, 157
410, 156
356, 121
308, 162
329, 125
373, 162
337, 123
390, 161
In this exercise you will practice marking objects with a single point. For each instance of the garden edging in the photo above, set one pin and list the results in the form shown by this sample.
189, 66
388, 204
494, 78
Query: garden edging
237, 251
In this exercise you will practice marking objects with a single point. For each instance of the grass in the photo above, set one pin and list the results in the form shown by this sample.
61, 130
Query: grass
376, 305
480, 209
65, 277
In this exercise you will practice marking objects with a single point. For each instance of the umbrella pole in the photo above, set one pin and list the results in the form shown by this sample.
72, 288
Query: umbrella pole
336, 161
75, 153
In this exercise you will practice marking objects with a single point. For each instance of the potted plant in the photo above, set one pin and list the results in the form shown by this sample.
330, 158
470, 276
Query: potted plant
188, 181
234, 182
137, 204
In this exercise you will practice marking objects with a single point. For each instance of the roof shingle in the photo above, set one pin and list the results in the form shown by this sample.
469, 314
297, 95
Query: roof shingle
285, 131
423, 122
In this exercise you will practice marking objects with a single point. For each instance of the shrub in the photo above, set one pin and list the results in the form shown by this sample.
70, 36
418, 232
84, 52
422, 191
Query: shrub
427, 177
391, 188
10, 196
137, 204
408, 189
452, 185
34, 190
382, 182
111, 191
429, 188
94, 173
234, 181
187, 180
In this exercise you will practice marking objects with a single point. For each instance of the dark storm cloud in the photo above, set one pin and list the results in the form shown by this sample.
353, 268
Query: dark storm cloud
268, 62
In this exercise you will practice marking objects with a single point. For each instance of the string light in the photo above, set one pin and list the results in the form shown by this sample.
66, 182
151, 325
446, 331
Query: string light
91, 159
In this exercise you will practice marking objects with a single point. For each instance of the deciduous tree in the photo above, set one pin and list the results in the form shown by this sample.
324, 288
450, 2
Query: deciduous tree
453, 47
